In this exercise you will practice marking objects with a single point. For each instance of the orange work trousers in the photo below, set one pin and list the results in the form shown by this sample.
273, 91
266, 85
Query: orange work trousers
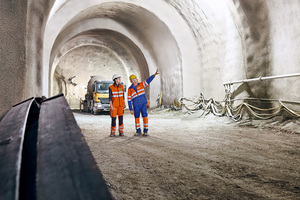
113, 113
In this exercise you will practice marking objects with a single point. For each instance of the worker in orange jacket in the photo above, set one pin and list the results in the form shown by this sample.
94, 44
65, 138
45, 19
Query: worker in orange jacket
117, 105
137, 102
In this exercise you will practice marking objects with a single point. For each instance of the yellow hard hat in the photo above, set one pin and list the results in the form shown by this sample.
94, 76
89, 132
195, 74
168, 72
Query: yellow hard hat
132, 77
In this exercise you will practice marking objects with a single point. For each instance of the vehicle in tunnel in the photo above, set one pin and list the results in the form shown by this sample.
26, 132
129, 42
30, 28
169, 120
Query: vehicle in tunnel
97, 96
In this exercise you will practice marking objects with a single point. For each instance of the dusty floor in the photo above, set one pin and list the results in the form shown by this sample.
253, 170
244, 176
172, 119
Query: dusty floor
188, 158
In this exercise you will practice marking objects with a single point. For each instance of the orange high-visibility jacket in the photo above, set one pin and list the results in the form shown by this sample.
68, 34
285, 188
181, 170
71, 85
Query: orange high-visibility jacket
136, 94
116, 95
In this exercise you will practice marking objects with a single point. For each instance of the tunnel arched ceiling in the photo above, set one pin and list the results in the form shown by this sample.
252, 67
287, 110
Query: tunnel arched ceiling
209, 41
130, 55
194, 45
77, 66
145, 29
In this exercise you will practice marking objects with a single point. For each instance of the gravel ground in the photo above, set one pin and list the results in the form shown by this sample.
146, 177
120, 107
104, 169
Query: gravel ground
186, 157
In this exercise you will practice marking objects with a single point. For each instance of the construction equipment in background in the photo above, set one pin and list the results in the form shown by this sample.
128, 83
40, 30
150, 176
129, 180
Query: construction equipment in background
97, 96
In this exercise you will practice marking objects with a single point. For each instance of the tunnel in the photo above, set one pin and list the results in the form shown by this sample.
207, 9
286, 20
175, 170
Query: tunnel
106, 61
229, 75
197, 47
133, 34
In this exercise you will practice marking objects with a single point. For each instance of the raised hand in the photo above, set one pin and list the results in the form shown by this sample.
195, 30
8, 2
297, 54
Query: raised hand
156, 72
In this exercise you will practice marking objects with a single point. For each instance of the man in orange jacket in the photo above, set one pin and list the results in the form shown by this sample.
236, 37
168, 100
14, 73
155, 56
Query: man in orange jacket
137, 102
117, 105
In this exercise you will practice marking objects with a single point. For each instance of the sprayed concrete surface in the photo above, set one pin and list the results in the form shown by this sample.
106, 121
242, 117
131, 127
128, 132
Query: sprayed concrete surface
196, 45
186, 157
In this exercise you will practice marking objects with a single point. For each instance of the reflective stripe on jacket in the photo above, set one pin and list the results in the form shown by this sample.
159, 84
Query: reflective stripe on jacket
116, 95
136, 95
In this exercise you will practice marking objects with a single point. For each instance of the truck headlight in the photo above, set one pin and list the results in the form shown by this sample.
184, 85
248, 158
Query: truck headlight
99, 105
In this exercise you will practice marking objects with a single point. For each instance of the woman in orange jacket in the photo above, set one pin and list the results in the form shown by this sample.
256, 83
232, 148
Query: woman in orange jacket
117, 105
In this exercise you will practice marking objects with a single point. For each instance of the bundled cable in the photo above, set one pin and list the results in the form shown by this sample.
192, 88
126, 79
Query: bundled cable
225, 107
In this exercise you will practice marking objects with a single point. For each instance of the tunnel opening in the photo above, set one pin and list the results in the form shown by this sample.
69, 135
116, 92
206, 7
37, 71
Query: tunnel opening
148, 34
75, 69
95, 52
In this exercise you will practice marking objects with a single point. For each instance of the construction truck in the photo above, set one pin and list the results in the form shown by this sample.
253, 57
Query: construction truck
97, 96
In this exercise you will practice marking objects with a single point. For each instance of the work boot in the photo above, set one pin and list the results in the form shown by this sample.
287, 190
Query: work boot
112, 135
137, 134
121, 134
145, 134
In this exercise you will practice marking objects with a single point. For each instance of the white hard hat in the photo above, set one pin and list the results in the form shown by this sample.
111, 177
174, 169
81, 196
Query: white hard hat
116, 76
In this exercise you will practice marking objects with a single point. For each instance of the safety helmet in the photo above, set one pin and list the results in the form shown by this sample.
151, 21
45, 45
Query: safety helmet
115, 76
132, 77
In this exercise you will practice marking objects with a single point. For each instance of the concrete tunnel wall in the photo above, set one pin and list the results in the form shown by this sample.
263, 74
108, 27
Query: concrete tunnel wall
22, 27
137, 18
12, 53
152, 29
117, 58
201, 43
78, 62
284, 48
270, 47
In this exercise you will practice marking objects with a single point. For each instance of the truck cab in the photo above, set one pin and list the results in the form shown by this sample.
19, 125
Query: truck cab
98, 101
101, 96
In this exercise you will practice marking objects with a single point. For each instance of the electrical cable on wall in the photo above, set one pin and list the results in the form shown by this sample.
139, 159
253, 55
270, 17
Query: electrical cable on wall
225, 108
